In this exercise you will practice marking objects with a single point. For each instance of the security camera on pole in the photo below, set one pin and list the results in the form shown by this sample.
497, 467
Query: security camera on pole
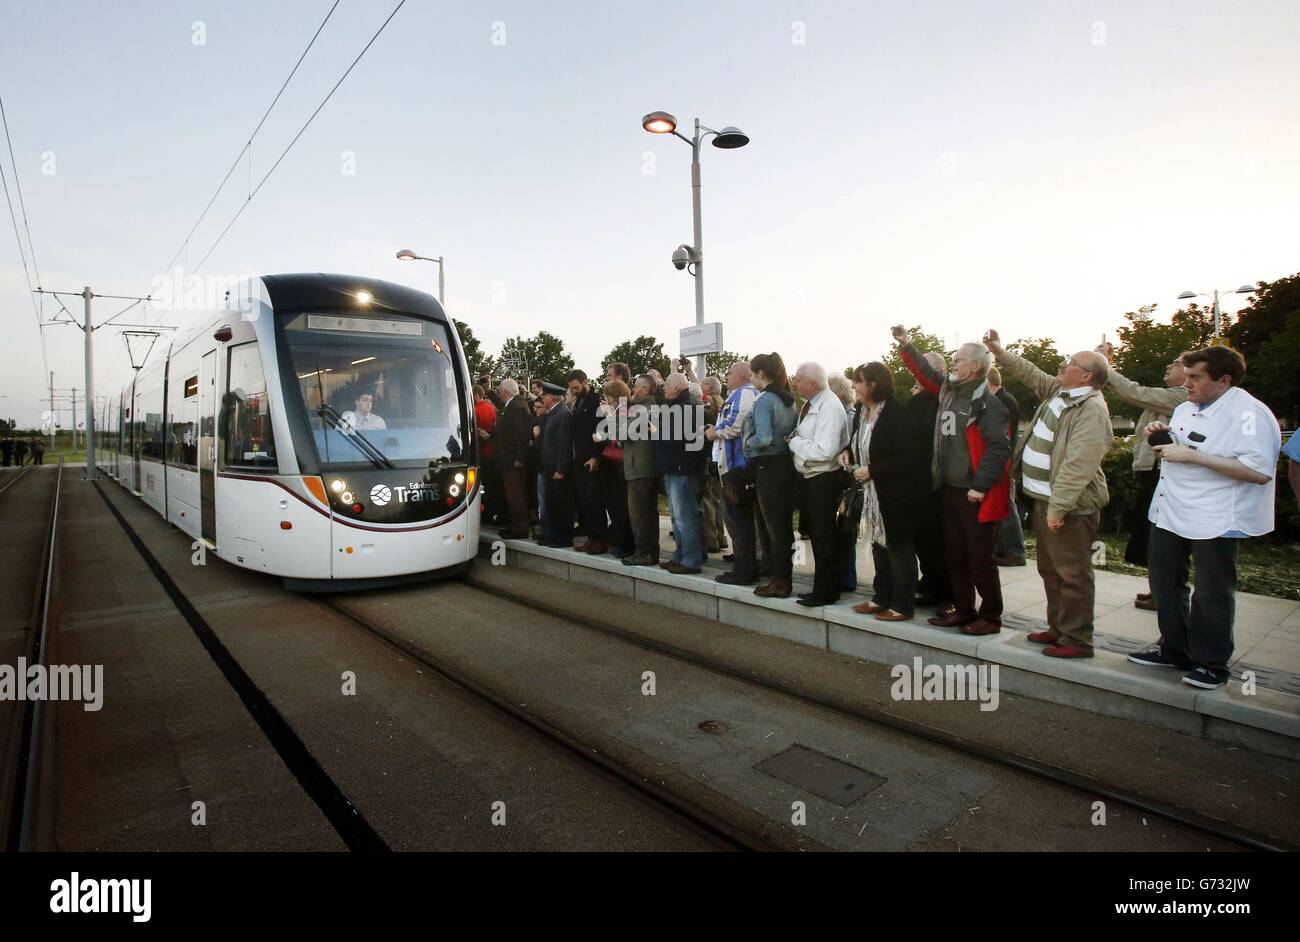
691, 257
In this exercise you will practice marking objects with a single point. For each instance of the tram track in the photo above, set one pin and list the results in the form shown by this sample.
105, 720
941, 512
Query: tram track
1052, 774
712, 829
703, 829
26, 755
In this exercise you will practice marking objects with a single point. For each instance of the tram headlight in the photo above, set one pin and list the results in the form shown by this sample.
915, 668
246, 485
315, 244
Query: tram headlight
454, 490
347, 497
336, 485
460, 478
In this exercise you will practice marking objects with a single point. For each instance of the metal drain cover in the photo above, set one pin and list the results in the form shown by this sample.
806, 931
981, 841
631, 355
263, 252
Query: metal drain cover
821, 775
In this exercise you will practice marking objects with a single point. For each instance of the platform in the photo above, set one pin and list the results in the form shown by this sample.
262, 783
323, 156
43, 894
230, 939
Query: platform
1267, 633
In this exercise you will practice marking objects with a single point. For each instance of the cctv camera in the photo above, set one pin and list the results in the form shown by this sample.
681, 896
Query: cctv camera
683, 256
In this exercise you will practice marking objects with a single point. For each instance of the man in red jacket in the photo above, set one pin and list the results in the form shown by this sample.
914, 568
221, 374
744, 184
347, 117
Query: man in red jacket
970, 471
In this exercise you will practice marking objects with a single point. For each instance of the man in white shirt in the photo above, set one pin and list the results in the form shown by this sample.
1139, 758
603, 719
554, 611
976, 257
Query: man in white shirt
816, 442
364, 418
1216, 487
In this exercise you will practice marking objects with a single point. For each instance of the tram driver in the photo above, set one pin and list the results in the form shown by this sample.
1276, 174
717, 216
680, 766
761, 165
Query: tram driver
364, 417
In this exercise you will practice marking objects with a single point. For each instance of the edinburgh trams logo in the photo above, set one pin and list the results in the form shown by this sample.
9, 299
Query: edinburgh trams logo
381, 494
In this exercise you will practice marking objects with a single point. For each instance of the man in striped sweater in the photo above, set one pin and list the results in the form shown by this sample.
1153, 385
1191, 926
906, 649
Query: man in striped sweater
1059, 466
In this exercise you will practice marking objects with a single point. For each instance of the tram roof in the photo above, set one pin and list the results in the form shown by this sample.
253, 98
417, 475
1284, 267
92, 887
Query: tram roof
325, 290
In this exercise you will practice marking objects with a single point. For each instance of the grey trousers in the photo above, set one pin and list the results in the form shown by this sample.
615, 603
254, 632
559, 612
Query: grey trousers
1197, 626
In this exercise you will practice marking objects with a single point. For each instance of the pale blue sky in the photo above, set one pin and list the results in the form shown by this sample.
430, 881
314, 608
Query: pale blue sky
1037, 167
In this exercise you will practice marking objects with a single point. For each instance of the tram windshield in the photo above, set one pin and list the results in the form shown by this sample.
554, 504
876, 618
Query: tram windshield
378, 390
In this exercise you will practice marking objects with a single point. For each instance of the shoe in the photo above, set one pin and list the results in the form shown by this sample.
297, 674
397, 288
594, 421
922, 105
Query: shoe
514, 534
711, 550
1067, 650
1147, 604
1010, 560
622, 552
635, 560
1142, 597
731, 578
553, 545
947, 608
665, 563
981, 626
1207, 678
598, 548
868, 608
890, 615
776, 589
728, 557
677, 569
951, 620
813, 600
1157, 656
1043, 637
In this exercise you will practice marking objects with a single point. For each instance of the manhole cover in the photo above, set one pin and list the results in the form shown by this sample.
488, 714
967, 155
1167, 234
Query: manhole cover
712, 726
821, 775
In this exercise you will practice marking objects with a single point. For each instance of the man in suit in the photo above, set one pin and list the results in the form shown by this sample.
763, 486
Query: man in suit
513, 433
586, 463
557, 466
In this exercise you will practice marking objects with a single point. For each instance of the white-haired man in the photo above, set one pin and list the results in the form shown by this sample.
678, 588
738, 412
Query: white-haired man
816, 442
512, 437
969, 471
740, 503
1058, 465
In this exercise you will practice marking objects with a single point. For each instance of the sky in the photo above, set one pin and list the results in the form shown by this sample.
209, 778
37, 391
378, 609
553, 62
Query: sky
1037, 167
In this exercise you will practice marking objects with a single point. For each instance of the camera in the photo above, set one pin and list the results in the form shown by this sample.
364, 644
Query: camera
683, 255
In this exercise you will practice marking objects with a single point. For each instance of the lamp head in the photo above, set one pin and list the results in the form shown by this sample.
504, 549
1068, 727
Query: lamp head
407, 255
1186, 294
730, 137
659, 122
1246, 289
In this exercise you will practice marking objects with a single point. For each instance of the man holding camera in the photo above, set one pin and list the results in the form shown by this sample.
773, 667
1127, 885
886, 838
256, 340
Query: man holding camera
1217, 484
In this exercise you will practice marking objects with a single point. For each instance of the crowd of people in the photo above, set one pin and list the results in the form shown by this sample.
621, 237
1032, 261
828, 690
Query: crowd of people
15, 451
936, 485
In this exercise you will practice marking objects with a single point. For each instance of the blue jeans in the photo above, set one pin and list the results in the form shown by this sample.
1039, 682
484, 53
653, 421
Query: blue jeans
684, 493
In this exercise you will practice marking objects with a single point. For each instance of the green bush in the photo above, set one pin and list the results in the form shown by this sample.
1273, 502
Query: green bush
1123, 486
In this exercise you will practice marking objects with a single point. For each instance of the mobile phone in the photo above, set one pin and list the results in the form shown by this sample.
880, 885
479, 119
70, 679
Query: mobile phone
1160, 437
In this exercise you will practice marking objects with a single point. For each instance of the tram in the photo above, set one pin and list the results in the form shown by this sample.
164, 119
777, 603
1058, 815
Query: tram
321, 430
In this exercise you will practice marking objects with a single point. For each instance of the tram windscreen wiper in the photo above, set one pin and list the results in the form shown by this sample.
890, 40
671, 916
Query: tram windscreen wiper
349, 432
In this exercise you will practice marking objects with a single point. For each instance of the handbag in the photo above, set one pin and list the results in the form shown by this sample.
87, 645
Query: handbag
849, 509
613, 451
738, 485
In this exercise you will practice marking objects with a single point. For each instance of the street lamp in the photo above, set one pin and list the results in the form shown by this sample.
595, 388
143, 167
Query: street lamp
1186, 295
407, 255
691, 257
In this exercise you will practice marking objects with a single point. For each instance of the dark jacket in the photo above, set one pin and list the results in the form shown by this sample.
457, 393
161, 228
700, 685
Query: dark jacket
986, 437
585, 422
922, 409
513, 433
557, 441
671, 453
896, 459
1013, 414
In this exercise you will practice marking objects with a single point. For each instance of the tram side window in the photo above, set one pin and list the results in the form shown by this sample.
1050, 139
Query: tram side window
183, 448
246, 412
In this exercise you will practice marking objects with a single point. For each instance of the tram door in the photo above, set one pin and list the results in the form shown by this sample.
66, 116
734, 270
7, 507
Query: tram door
208, 444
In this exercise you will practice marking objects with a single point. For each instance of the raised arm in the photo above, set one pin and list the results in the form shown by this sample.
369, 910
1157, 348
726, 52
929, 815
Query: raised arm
1042, 385
931, 380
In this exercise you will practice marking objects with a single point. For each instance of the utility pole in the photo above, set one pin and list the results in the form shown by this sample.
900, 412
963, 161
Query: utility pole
74, 418
90, 389
53, 420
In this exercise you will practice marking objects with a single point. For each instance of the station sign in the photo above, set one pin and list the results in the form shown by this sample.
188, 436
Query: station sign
700, 338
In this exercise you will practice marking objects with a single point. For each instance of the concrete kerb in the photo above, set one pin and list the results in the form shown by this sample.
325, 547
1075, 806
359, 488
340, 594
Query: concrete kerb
1266, 721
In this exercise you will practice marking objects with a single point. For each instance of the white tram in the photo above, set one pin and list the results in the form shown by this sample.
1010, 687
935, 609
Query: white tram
321, 431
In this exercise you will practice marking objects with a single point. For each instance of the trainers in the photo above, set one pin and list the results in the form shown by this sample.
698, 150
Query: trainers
1207, 678
1156, 656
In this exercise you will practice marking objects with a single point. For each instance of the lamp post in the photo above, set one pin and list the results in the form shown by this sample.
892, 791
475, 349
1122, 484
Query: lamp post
407, 255
1244, 289
692, 257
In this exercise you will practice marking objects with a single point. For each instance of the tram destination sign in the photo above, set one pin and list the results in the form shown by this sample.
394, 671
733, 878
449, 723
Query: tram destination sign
363, 325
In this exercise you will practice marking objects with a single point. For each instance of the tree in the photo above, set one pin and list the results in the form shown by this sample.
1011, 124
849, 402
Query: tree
479, 362
544, 354
1041, 352
1267, 334
903, 378
641, 356
719, 364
